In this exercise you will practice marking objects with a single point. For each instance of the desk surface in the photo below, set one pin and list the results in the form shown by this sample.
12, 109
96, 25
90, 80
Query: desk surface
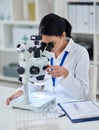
9, 118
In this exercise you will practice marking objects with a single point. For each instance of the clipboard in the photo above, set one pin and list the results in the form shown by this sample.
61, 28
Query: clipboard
80, 111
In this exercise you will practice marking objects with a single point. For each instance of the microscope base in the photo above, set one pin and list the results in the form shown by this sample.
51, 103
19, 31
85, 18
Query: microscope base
36, 104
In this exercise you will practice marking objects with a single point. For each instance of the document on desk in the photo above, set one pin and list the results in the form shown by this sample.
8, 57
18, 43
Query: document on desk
81, 111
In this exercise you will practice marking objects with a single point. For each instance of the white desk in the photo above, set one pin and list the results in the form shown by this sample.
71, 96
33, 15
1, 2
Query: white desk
8, 117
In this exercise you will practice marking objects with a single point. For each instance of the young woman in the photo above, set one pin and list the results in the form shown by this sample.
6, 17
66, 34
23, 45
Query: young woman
68, 69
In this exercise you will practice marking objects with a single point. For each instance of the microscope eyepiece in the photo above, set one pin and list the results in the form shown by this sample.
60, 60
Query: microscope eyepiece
50, 46
43, 45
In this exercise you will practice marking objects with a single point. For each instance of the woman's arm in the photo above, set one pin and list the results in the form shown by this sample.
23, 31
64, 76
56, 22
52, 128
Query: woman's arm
17, 94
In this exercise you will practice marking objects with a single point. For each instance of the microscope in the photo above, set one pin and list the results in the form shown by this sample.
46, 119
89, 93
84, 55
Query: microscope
33, 61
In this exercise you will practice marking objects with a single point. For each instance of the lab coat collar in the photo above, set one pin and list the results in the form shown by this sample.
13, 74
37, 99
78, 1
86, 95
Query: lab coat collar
69, 45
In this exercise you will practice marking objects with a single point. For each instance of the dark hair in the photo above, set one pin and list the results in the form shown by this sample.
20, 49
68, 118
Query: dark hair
54, 25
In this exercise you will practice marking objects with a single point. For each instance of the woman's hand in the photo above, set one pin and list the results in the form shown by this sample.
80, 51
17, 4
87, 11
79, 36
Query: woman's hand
19, 93
57, 71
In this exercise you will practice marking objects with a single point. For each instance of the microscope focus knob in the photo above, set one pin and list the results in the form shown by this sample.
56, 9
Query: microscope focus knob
20, 70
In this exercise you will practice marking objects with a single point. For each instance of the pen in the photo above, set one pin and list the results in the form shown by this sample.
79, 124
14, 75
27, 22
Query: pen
62, 110
76, 107
62, 115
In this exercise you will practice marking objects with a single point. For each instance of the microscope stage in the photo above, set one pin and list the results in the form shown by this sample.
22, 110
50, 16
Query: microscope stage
38, 101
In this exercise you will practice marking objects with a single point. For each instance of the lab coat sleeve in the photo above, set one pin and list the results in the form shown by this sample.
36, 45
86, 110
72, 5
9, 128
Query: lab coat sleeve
76, 84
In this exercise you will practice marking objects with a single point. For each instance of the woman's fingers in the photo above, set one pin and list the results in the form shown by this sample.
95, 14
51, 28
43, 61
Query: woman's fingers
57, 71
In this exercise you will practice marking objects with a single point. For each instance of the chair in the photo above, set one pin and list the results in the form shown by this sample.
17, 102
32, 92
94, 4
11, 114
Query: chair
92, 82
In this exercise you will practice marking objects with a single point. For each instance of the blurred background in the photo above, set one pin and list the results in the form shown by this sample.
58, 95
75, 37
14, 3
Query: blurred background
20, 18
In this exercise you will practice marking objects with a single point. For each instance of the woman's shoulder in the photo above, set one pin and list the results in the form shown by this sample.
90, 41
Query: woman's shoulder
76, 46
80, 48
80, 51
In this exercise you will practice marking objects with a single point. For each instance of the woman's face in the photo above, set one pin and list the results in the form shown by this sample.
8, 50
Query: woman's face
57, 41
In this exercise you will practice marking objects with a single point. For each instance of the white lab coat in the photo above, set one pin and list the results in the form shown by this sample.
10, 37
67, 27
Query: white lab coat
76, 85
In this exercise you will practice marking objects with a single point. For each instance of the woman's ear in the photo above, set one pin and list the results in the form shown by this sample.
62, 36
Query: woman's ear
64, 34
